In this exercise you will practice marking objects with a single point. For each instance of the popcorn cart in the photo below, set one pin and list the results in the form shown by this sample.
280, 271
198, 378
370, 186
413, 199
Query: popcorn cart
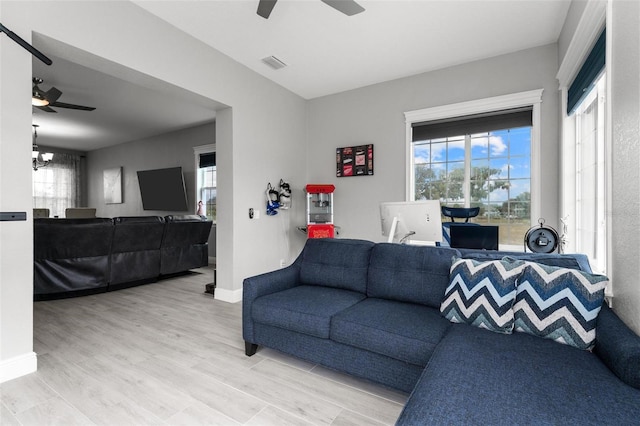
320, 211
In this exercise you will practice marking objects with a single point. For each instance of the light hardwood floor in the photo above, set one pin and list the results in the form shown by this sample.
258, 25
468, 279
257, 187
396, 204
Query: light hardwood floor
168, 354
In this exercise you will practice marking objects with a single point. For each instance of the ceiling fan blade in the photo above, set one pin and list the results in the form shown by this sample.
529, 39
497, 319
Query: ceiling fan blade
52, 95
71, 106
45, 108
265, 7
348, 7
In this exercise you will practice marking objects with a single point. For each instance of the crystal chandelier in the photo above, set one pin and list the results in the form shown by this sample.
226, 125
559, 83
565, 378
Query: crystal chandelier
36, 160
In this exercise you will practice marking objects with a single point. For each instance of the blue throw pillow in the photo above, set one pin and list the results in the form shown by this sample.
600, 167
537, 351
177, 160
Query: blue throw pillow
559, 303
482, 293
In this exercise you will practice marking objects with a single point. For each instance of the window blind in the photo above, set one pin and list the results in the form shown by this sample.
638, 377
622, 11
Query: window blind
588, 74
472, 124
207, 160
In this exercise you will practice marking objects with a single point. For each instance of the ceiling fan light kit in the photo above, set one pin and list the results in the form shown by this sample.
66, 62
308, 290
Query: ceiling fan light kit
45, 100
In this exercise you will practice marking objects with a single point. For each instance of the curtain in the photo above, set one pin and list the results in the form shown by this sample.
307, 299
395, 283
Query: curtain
57, 186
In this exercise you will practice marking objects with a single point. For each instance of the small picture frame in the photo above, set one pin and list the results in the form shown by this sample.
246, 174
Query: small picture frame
354, 161
112, 185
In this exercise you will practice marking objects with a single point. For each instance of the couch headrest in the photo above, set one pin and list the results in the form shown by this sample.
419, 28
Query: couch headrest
339, 263
138, 219
184, 218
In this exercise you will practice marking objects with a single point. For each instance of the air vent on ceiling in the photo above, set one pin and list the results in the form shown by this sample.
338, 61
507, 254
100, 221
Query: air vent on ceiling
274, 62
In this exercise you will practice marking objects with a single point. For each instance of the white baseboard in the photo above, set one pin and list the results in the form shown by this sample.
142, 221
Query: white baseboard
18, 366
230, 296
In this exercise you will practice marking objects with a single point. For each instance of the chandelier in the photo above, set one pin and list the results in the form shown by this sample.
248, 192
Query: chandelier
39, 160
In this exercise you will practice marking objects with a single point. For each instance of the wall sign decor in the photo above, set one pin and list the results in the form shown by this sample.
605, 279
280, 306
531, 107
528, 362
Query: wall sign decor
354, 161
113, 185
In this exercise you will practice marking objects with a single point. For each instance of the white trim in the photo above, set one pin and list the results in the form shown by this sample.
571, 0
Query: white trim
529, 98
203, 149
478, 106
18, 366
229, 296
589, 28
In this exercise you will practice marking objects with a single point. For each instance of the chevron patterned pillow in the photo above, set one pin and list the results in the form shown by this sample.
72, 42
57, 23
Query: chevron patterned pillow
482, 293
559, 303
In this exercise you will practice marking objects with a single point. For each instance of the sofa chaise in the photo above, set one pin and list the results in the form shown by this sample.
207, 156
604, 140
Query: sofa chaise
76, 257
379, 311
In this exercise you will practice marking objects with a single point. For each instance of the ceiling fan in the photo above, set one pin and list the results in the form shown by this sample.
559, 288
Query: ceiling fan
45, 100
348, 7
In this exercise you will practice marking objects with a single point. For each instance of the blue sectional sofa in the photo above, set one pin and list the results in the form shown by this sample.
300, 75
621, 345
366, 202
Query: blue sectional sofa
374, 311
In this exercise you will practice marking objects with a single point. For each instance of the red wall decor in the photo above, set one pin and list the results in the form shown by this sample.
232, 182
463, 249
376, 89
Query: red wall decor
354, 161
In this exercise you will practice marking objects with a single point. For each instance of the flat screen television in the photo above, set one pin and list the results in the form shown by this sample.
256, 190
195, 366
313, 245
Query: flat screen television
411, 220
163, 189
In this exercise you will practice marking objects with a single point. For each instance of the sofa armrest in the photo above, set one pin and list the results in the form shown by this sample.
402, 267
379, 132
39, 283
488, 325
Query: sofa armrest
260, 285
618, 347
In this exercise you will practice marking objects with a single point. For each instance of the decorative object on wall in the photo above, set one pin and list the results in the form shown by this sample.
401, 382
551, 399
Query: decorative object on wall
113, 185
36, 162
354, 161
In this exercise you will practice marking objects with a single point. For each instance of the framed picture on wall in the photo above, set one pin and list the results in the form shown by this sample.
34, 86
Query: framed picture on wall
113, 185
354, 161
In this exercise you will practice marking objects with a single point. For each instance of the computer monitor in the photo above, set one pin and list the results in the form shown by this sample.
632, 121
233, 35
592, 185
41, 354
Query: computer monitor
473, 237
411, 221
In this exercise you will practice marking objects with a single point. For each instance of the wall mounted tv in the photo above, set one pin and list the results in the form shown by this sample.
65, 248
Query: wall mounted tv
163, 189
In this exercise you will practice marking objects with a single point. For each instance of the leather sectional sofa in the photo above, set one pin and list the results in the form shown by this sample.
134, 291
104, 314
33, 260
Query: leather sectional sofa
75, 257
379, 311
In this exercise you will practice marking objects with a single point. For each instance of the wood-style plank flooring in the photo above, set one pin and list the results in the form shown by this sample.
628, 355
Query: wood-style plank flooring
169, 354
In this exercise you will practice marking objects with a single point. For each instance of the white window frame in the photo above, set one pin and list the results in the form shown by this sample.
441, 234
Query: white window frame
197, 151
532, 98
588, 29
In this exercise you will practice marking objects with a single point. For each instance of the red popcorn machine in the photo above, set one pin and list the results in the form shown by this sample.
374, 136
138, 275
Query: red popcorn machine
320, 211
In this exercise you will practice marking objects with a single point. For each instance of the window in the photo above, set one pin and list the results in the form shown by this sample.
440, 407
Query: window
57, 186
590, 199
207, 179
585, 158
483, 159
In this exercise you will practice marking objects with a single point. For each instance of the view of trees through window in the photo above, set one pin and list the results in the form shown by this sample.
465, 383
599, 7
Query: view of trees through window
490, 170
207, 190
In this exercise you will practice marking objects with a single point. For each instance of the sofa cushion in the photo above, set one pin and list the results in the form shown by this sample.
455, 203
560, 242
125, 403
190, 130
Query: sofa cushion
559, 303
404, 331
477, 377
336, 263
482, 293
409, 273
305, 309
565, 260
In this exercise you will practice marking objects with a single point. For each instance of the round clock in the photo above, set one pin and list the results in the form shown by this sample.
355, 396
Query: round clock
541, 239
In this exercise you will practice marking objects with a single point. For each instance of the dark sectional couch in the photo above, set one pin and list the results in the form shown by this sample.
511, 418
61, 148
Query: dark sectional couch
373, 310
75, 257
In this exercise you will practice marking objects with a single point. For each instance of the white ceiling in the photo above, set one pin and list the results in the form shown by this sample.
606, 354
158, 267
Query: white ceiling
326, 52
125, 111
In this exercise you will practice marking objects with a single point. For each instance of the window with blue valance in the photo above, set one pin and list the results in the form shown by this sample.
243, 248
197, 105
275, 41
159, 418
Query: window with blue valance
588, 74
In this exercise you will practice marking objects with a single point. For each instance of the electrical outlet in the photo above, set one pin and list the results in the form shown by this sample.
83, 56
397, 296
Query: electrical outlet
282, 263
251, 213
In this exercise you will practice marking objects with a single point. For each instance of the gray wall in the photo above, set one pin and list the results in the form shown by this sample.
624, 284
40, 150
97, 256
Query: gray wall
253, 143
173, 149
374, 115
623, 71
